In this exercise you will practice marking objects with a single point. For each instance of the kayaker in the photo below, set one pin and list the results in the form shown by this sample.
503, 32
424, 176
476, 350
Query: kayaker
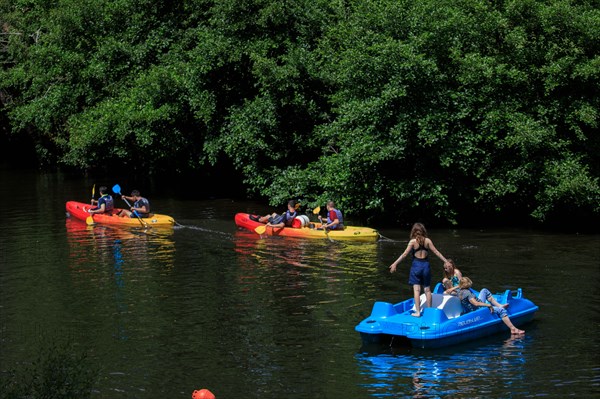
141, 206
104, 204
335, 219
470, 303
283, 220
420, 273
451, 278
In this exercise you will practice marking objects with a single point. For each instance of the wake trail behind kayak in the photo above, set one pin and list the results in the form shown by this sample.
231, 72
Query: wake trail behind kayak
198, 228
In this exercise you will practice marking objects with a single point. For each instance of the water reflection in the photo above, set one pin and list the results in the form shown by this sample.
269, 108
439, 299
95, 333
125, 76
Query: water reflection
120, 298
87, 243
306, 253
308, 266
292, 293
465, 371
107, 262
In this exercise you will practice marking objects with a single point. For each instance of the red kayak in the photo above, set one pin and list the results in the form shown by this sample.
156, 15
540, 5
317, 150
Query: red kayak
79, 210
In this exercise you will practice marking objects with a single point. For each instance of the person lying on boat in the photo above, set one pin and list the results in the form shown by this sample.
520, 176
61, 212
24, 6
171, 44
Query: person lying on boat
451, 278
104, 204
471, 303
141, 206
335, 219
283, 220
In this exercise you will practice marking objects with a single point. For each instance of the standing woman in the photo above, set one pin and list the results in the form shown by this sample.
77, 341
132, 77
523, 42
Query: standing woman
420, 273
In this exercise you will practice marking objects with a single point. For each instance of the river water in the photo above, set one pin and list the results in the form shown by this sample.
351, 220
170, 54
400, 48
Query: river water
162, 313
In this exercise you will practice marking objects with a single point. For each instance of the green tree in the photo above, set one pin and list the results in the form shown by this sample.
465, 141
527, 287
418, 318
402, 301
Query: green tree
431, 110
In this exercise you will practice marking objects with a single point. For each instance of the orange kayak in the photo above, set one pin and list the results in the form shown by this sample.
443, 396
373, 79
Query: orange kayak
353, 233
79, 210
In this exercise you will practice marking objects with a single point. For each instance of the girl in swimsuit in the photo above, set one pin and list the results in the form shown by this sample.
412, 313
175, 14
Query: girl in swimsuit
420, 274
451, 278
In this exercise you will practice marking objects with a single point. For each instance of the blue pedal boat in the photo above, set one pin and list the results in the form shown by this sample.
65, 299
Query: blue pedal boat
443, 323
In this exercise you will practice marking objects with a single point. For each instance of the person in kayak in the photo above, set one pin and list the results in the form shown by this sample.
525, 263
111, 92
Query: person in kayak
283, 220
104, 204
470, 303
335, 219
420, 273
451, 278
141, 206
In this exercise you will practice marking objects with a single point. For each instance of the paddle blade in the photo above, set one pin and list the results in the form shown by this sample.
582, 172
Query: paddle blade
316, 210
89, 221
116, 189
260, 230
93, 190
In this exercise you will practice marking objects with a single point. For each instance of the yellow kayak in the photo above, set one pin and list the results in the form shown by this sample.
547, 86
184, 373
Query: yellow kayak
352, 233
79, 211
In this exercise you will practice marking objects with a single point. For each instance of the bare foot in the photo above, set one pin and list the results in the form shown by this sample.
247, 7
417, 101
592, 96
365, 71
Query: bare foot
416, 314
516, 331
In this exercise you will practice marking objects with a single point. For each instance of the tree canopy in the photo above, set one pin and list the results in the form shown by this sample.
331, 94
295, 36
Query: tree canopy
435, 109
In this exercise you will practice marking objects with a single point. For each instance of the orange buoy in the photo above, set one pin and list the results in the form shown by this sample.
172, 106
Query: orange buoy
203, 394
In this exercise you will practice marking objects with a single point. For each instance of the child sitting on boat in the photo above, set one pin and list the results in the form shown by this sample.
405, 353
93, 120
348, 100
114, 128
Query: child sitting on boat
283, 220
335, 220
470, 303
451, 278
104, 204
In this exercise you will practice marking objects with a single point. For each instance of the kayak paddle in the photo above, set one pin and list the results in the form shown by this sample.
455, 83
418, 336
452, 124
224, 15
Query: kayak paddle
325, 229
316, 212
90, 220
117, 190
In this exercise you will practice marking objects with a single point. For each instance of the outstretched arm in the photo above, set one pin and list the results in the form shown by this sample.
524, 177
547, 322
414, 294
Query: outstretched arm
436, 252
404, 255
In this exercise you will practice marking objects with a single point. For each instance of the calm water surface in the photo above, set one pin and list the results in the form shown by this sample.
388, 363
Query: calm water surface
205, 305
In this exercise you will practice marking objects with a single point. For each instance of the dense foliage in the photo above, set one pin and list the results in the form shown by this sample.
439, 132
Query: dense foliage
431, 109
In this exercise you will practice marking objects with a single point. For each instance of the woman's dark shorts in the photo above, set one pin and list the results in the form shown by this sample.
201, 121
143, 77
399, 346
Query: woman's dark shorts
420, 273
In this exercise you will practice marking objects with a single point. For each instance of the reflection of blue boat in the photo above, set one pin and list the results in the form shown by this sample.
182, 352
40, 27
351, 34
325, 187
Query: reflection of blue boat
452, 372
442, 324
